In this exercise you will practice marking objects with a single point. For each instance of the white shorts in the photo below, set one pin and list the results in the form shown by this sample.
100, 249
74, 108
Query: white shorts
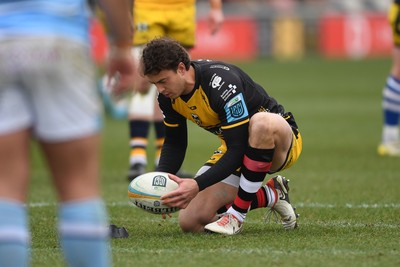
142, 105
48, 84
232, 179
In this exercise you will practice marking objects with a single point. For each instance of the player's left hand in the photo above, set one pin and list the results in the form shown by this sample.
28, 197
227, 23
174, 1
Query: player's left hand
182, 196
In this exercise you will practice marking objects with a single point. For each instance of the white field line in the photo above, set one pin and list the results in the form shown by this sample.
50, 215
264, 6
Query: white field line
298, 205
258, 221
240, 251
252, 251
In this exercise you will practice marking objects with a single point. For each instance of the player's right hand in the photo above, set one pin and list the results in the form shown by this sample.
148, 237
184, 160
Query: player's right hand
121, 67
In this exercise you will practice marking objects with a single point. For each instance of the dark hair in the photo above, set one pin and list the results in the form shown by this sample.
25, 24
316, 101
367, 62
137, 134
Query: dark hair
163, 54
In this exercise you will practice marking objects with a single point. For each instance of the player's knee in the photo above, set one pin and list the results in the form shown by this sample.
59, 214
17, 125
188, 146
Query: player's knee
261, 124
192, 223
189, 225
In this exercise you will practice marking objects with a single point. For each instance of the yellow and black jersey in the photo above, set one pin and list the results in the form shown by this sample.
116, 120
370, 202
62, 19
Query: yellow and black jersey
164, 3
222, 102
173, 18
394, 19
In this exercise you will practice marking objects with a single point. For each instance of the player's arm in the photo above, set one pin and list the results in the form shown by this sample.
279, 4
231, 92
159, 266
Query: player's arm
176, 140
174, 148
120, 62
215, 16
236, 140
234, 118
119, 19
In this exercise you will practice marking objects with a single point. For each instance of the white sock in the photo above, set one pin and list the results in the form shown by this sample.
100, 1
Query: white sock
240, 216
390, 134
271, 196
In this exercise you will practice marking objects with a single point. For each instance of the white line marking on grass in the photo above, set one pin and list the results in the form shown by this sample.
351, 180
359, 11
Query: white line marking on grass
257, 220
261, 252
348, 205
297, 205
261, 221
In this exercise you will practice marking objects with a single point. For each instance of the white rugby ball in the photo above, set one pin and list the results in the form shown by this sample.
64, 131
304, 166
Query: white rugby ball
145, 191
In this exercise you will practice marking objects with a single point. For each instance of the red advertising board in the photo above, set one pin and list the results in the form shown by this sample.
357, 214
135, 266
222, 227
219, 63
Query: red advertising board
237, 40
355, 35
99, 43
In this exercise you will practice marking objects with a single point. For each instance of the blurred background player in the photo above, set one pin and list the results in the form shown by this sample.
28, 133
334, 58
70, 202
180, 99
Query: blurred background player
175, 19
48, 92
390, 145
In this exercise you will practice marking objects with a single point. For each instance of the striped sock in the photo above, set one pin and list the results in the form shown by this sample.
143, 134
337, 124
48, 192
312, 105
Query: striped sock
265, 197
84, 233
256, 164
138, 143
14, 234
391, 110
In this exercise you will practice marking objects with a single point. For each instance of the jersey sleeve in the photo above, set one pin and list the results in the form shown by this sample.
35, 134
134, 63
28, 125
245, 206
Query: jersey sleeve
228, 100
175, 143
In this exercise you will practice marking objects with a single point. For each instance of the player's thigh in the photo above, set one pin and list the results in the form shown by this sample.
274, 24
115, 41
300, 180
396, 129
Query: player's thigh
281, 132
74, 166
14, 165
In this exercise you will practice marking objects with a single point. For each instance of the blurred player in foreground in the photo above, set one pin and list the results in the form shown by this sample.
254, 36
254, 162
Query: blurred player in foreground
175, 19
258, 137
390, 144
48, 92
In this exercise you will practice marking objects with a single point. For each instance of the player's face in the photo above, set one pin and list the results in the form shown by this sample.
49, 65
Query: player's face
169, 83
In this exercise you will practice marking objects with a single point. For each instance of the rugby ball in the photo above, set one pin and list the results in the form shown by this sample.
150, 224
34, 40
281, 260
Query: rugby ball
145, 191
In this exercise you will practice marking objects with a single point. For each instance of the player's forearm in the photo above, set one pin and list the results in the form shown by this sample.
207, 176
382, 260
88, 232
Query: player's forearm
174, 149
119, 19
171, 159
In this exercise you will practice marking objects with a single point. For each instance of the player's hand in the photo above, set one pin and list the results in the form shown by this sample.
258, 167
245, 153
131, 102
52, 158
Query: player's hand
121, 67
181, 196
215, 20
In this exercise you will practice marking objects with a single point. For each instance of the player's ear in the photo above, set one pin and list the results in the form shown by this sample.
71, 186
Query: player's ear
181, 68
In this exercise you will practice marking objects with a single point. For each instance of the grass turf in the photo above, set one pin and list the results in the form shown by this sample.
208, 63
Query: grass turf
346, 194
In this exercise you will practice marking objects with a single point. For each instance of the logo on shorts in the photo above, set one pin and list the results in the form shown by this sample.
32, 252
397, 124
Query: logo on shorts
142, 27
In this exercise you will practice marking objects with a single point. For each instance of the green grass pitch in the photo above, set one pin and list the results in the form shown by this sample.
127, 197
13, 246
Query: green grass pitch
347, 196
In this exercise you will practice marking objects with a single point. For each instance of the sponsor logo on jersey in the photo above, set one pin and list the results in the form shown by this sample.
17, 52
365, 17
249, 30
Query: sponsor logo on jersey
216, 81
219, 67
196, 119
236, 109
228, 92
142, 27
